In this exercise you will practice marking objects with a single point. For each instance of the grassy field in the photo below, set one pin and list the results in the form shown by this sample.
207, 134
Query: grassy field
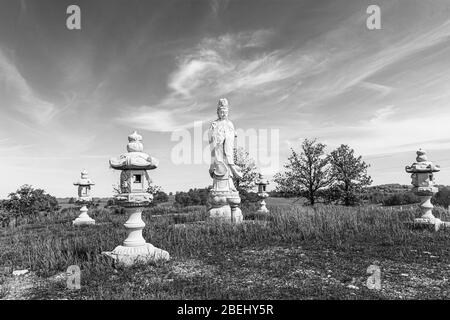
295, 252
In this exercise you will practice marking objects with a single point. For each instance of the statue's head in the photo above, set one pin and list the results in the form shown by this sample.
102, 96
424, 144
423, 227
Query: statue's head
222, 109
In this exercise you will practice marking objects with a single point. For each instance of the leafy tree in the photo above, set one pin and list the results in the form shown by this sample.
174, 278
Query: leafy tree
330, 195
442, 198
159, 196
111, 202
27, 201
193, 197
400, 198
349, 174
306, 172
248, 169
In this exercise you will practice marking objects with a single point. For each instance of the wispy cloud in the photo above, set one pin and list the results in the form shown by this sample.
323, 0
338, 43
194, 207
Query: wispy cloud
217, 67
19, 96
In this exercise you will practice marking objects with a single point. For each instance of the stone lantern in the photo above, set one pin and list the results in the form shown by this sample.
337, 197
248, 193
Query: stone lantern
133, 196
262, 194
84, 196
423, 181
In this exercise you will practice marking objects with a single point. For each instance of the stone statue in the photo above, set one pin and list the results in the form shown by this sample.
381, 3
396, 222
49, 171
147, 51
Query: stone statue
224, 198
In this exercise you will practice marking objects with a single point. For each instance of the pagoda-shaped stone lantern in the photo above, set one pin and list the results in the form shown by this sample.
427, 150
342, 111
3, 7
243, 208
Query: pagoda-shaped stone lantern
84, 197
133, 196
262, 183
423, 181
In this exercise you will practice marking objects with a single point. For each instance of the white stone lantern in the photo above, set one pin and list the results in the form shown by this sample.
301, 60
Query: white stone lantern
262, 183
423, 181
133, 196
84, 185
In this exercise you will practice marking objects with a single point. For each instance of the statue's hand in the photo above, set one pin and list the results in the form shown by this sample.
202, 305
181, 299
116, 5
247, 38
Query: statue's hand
236, 171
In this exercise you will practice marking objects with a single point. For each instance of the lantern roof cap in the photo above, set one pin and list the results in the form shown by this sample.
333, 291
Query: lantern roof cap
135, 158
84, 180
422, 164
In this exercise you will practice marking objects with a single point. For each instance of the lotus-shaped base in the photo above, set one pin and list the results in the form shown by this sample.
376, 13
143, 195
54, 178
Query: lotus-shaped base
128, 256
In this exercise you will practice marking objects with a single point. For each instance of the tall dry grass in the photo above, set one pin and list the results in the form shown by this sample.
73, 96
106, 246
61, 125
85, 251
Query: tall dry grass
51, 246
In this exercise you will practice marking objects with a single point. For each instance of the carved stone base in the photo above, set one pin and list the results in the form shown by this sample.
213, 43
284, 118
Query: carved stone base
226, 214
134, 248
83, 218
223, 212
128, 256
224, 206
435, 223
83, 221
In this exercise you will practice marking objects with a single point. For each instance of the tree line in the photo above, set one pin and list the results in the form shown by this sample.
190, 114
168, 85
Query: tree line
337, 177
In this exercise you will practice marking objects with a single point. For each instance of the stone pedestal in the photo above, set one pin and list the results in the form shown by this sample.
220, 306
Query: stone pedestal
224, 206
83, 218
135, 248
226, 213
427, 219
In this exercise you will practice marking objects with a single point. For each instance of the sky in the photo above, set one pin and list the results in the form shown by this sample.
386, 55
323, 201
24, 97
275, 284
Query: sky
295, 68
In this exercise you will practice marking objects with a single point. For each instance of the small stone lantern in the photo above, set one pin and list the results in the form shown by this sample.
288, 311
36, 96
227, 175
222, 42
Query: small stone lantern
84, 196
133, 196
262, 194
423, 181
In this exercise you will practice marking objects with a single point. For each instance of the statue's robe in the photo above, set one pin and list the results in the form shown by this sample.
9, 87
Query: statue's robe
221, 140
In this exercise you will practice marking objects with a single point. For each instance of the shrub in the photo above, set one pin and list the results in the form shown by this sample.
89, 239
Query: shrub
403, 198
442, 198
28, 202
248, 197
193, 197
160, 197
